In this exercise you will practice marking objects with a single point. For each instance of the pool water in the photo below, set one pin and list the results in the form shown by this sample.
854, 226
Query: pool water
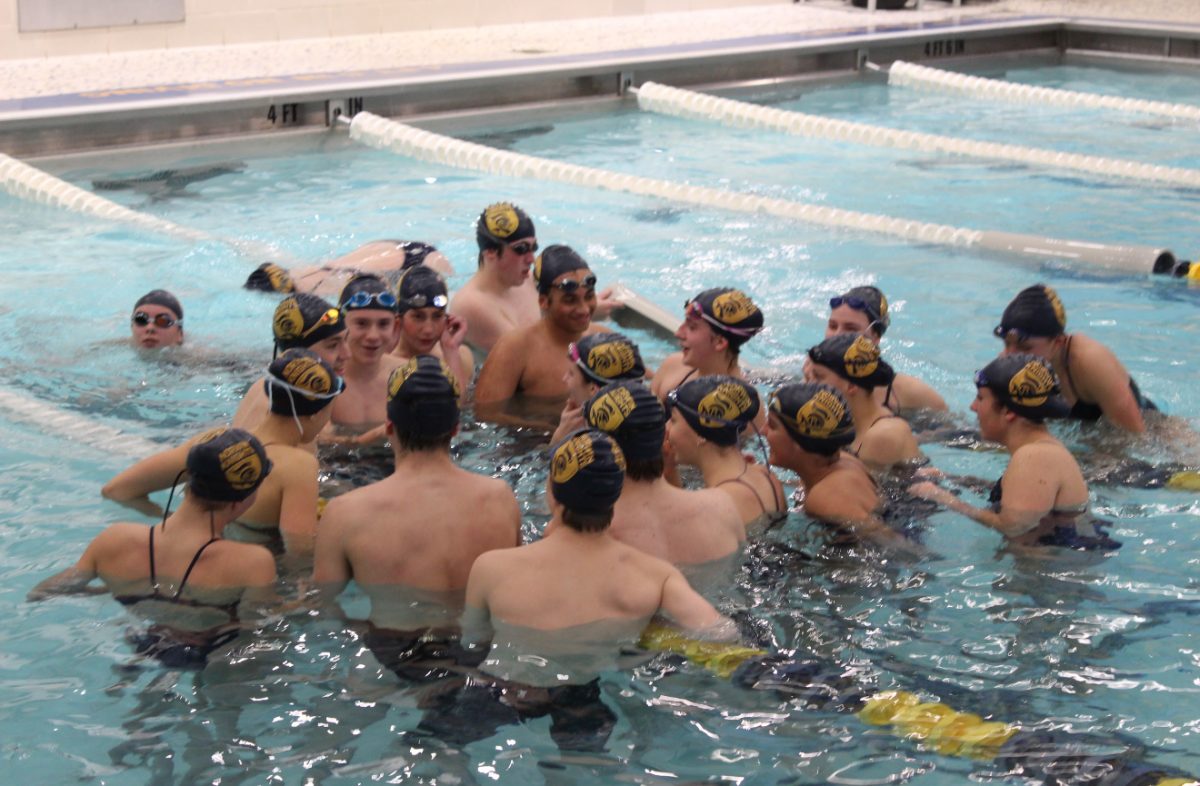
1101, 645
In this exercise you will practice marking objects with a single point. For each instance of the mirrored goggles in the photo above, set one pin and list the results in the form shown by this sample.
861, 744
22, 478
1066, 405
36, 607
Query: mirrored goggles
163, 321
571, 286
421, 301
693, 310
330, 317
384, 300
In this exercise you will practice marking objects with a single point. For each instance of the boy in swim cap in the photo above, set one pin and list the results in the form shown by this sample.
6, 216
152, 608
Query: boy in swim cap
864, 310
533, 360
1042, 498
301, 321
1094, 382
421, 527
515, 598
426, 328
850, 363
384, 258
299, 387
808, 425
596, 360
685, 527
157, 320
369, 308
717, 322
180, 573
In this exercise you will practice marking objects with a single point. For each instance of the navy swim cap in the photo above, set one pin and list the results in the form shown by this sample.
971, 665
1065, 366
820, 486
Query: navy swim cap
716, 407
269, 277
161, 297
730, 312
854, 358
587, 471
607, 357
816, 416
303, 319
500, 224
553, 262
226, 465
1035, 311
419, 287
632, 415
423, 397
366, 291
300, 383
1025, 384
870, 301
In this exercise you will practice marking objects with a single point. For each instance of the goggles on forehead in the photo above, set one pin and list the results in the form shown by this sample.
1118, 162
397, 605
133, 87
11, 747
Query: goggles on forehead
577, 358
1010, 334
421, 301
571, 286
693, 310
385, 300
330, 317
163, 321
673, 402
311, 394
523, 247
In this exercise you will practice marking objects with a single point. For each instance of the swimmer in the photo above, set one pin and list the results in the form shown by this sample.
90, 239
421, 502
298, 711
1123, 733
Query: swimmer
157, 320
850, 363
865, 310
498, 297
421, 528
596, 360
560, 611
299, 389
301, 322
533, 360
193, 585
369, 308
1042, 498
387, 259
717, 322
808, 426
708, 415
684, 527
426, 328
1094, 382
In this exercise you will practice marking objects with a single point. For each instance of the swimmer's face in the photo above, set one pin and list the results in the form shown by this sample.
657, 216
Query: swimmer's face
570, 311
1030, 345
579, 388
990, 414
370, 333
779, 441
421, 329
684, 441
514, 260
698, 342
333, 351
845, 319
152, 335
815, 372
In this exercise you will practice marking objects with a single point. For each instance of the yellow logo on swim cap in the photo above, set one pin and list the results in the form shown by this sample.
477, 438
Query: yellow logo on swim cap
307, 374
572, 456
281, 280
861, 358
609, 411
611, 359
883, 308
1060, 312
398, 377
288, 322
1032, 385
537, 268
726, 401
820, 415
733, 307
449, 375
501, 219
241, 465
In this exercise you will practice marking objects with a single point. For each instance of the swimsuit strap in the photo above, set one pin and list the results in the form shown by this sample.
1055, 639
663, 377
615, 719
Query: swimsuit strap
687, 376
153, 572
780, 503
885, 416
195, 558
1067, 367
739, 480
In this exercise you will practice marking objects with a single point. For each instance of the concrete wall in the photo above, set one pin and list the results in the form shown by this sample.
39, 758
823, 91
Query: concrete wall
217, 22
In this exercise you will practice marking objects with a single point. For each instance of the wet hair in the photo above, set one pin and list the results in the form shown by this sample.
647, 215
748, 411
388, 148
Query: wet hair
414, 441
587, 522
644, 469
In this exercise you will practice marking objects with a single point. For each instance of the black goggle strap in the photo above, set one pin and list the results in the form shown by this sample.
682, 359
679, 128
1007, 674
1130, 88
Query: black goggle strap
171, 498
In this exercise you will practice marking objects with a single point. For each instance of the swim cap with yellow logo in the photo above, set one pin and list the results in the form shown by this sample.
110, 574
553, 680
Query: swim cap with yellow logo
1025, 384
730, 312
303, 319
718, 408
632, 415
1035, 311
269, 277
607, 357
423, 397
500, 224
869, 300
226, 465
301, 383
553, 262
816, 416
587, 471
854, 358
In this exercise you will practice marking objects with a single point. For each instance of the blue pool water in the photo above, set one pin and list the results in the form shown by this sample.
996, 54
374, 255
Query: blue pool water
1105, 646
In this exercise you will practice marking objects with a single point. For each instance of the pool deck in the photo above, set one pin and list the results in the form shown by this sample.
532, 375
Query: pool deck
69, 85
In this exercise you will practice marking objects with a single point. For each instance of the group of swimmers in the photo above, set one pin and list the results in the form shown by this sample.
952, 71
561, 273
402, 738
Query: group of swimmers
438, 548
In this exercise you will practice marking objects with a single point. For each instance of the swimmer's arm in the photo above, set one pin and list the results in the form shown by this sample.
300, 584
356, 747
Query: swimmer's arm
458, 358
298, 505
916, 394
500, 376
75, 579
831, 505
331, 568
132, 488
259, 598
1107, 383
1021, 505
476, 621
686, 606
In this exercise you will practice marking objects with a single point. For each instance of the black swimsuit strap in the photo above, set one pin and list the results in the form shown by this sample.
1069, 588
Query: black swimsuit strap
882, 417
153, 572
757, 496
187, 573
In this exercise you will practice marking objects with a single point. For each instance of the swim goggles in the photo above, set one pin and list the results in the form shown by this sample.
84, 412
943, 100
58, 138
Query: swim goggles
1010, 334
385, 300
693, 310
523, 247
330, 317
422, 300
163, 321
571, 286
577, 359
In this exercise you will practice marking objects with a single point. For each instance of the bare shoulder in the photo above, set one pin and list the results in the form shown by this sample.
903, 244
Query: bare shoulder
668, 375
466, 300
246, 564
914, 393
117, 538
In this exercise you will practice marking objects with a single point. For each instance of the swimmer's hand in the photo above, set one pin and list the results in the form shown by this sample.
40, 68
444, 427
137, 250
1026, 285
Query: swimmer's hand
606, 303
933, 492
454, 334
569, 421
929, 472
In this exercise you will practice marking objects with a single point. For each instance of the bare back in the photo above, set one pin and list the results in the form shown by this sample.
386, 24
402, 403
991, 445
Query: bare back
490, 315
683, 527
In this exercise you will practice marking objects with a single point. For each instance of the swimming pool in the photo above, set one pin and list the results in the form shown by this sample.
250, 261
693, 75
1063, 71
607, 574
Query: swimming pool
1105, 646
